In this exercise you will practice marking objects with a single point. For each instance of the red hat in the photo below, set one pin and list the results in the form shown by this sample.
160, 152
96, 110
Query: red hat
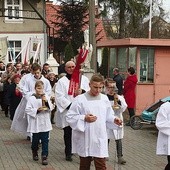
16, 76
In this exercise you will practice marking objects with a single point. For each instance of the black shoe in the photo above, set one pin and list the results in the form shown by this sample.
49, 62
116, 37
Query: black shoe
52, 122
35, 155
44, 160
35, 158
28, 138
68, 158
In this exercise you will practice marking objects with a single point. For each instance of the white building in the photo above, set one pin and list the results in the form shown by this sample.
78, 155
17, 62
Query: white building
26, 31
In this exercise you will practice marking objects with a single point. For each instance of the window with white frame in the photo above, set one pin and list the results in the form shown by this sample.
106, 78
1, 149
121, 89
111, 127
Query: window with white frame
13, 10
147, 65
14, 48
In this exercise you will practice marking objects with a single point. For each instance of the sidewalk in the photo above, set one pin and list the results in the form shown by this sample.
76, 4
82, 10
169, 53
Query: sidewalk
138, 148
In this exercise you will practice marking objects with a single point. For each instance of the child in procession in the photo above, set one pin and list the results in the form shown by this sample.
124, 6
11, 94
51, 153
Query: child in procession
119, 106
89, 115
38, 109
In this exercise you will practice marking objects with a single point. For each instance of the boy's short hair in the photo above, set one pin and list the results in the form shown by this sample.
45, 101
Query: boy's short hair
39, 83
109, 80
35, 67
9, 65
97, 78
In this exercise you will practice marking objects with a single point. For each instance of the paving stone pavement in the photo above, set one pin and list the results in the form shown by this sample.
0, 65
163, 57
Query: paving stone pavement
139, 147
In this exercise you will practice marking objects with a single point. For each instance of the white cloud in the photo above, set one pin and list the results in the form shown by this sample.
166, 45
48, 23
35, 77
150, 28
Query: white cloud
166, 7
166, 4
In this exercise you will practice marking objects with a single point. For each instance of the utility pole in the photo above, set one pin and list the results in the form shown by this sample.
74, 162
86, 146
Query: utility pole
92, 33
150, 20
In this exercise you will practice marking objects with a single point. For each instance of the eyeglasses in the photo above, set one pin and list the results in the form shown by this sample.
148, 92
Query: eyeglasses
71, 67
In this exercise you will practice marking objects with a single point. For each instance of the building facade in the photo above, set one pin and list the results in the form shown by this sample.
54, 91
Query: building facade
150, 58
21, 21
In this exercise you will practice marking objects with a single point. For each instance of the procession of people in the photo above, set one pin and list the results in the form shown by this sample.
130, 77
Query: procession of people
22, 100
89, 111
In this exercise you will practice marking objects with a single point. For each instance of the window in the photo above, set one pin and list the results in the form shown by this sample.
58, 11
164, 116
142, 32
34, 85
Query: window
132, 57
146, 65
14, 48
112, 61
13, 11
122, 58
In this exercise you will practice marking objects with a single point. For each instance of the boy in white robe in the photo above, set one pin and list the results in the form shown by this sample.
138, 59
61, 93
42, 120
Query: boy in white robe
163, 125
88, 117
20, 121
119, 105
38, 110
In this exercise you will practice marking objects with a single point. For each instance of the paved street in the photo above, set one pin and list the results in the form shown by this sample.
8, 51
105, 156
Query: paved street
138, 148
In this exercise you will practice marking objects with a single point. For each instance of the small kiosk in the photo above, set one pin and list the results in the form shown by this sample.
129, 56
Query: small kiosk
150, 58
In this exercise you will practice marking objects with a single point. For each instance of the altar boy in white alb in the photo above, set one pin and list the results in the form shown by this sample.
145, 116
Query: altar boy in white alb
27, 87
119, 105
89, 115
163, 125
38, 109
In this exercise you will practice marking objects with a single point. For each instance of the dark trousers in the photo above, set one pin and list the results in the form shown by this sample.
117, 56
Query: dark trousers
2, 100
131, 112
85, 162
6, 109
44, 137
168, 165
118, 147
67, 140
53, 114
168, 158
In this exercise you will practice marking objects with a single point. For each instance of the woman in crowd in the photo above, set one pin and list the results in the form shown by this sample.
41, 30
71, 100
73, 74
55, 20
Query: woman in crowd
129, 91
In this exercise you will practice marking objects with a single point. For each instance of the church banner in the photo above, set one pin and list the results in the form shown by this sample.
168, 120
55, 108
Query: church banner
3, 47
76, 76
35, 48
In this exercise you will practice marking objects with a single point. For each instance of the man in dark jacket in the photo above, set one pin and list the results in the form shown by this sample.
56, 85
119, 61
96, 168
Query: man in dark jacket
13, 95
119, 80
61, 68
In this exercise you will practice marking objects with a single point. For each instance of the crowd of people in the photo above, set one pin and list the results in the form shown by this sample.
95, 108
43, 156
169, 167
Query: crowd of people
34, 98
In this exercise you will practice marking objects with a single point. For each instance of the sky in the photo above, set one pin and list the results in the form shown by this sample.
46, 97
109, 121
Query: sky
166, 6
165, 2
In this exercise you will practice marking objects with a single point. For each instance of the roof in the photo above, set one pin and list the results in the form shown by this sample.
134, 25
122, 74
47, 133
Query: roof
134, 42
51, 13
